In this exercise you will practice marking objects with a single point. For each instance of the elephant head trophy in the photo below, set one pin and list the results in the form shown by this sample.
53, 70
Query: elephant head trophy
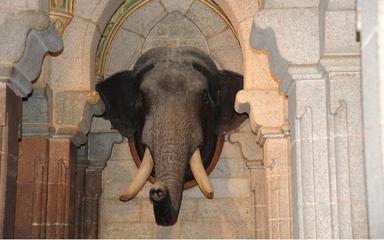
175, 104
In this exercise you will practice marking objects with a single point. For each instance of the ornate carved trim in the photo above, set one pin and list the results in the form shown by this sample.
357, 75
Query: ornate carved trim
61, 13
118, 18
29, 66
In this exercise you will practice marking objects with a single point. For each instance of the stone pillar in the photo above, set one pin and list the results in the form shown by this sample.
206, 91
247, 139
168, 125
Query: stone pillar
46, 185
61, 189
82, 164
310, 165
10, 122
256, 168
277, 184
92, 196
327, 150
32, 183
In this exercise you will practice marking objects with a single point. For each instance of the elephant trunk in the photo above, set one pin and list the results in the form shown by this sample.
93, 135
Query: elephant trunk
171, 161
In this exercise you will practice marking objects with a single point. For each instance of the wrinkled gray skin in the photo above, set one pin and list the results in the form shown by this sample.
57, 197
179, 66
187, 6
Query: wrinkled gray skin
170, 102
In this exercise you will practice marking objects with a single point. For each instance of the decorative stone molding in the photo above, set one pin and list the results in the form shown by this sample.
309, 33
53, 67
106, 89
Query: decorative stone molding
100, 148
29, 66
93, 107
264, 107
61, 13
265, 40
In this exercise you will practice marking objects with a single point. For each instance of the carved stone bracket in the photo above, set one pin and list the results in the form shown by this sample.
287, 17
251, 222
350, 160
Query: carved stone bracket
29, 67
250, 150
93, 107
100, 148
264, 107
268, 133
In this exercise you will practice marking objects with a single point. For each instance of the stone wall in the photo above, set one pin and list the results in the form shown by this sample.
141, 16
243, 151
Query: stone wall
231, 214
170, 24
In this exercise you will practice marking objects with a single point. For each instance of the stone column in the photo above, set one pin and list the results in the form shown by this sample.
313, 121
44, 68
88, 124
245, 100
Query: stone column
327, 150
10, 122
32, 183
61, 189
82, 164
46, 188
256, 168
277, 180
92, 195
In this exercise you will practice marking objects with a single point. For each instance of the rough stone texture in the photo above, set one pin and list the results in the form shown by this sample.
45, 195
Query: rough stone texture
74, 70
278, 187
35, 114
224, 47
10, 124
29, 66
205, 19
342, 5
173, 31
265, 108
176, 5
128, 43
142, 21
186, 23
67, 110
291, 3
297, 32
16, 21
335, 135
340, 33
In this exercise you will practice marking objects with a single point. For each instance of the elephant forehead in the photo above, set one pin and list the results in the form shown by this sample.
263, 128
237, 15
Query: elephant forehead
173, 79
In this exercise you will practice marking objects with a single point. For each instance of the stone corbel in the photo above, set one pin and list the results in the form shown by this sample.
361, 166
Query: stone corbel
100, 148
265, 108
94, 107
29, 66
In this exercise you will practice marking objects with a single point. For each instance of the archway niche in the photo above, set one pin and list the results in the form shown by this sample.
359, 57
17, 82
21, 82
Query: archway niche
190, 23
223, 29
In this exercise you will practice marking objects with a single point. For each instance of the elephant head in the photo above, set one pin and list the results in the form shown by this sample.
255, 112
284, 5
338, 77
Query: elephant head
175, 103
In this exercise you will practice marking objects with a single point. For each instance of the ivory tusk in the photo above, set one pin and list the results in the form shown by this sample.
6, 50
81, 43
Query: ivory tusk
200, 175
140, 177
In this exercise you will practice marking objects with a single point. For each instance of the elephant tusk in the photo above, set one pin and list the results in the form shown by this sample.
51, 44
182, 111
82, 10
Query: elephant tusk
140, 177
200, 175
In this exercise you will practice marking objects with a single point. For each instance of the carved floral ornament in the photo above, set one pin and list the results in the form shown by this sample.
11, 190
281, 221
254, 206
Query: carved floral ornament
61, 13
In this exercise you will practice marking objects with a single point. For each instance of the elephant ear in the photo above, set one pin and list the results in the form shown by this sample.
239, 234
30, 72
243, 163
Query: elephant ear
121, 96
223, 87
